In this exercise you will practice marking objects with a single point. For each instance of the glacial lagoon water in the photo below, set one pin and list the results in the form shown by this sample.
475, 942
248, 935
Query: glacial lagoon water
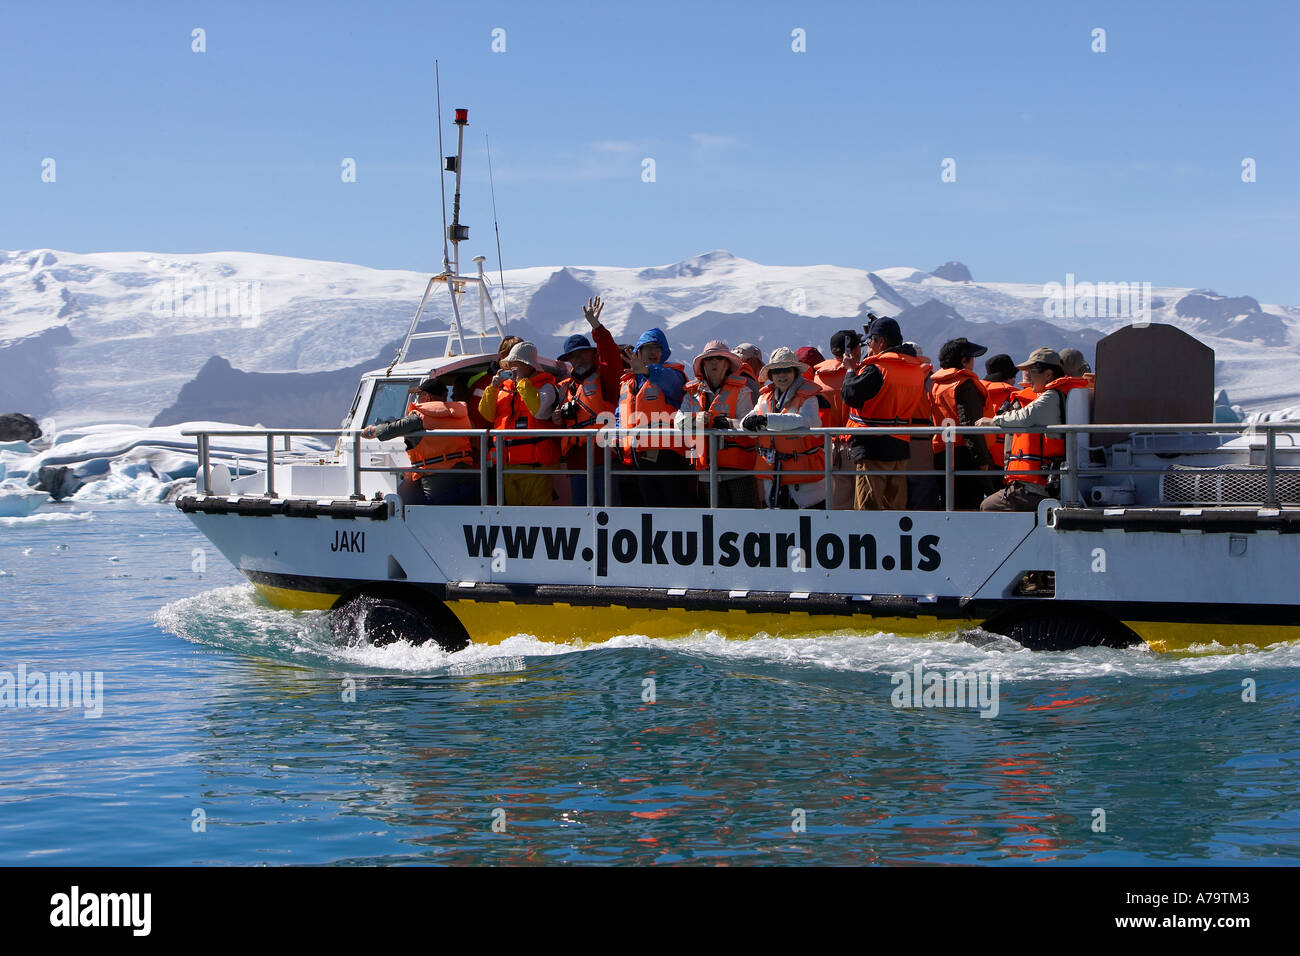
234, 733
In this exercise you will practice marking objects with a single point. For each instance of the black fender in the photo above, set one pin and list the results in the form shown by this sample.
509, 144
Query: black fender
1042, 626
383, 613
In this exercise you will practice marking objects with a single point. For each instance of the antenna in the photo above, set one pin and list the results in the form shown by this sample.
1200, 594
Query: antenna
505, 317
442, 183
457, 233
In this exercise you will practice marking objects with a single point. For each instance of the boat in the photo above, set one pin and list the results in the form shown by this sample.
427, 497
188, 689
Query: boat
1169, 530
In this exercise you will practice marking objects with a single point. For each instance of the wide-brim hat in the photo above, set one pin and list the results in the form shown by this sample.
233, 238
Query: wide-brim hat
717, 349
781, 358
525, 352
574, 343
1042, 357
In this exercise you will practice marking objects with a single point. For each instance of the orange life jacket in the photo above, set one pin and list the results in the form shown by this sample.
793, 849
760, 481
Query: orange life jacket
924, 408
829, 376
513, 413
441, 451
996, 395
735, 453
802, 458
648, 408
943, 398
1034, 452
900, 397
592, 404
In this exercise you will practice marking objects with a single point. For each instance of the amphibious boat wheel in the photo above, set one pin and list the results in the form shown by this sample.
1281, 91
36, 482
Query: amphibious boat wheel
383, 617
1062, 628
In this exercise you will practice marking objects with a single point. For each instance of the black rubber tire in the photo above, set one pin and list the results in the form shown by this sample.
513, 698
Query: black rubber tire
1062, 628
382, 619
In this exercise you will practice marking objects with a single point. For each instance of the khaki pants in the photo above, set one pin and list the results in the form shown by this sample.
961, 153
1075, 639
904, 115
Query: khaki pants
881, 492
1016, 496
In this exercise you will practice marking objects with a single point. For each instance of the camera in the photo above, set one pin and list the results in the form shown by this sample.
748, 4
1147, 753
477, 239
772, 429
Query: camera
569, 411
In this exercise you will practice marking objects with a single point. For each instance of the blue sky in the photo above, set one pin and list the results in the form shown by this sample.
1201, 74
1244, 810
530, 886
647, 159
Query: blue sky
1116, 166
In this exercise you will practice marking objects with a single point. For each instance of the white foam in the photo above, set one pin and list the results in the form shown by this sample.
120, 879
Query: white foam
235, 619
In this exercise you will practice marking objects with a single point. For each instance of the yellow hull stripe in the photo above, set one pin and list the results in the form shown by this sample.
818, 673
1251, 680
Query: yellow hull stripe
491, 622
1165, 636
291, 599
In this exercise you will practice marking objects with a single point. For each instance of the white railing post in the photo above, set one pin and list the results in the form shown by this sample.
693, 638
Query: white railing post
270, 466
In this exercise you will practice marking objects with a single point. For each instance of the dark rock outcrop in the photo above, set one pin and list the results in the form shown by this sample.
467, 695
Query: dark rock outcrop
59, 481
222, 393
557, 302
1231, 317
953, 271
18, 427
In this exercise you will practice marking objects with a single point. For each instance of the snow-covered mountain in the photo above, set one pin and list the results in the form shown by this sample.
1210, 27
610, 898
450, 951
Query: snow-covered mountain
114, 337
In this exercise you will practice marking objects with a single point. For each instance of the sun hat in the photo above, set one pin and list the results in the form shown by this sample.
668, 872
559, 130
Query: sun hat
717, 349
1042, 357
525, 352
782, 357
574, 343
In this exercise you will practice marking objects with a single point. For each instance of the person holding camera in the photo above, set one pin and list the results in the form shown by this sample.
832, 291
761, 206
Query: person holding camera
846, 353
883, 392
587, 399
788, 402
522, 396
718, 398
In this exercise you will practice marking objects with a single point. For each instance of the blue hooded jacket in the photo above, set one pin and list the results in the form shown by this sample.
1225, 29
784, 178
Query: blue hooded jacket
669, 380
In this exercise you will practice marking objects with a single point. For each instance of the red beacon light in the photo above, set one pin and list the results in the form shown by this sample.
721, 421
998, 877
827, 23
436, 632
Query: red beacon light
462, 117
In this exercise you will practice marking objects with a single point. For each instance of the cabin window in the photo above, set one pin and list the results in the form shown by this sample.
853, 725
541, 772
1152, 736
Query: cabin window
389, 401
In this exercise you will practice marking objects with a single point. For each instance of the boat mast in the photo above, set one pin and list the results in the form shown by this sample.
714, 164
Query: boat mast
456, 232
456, 283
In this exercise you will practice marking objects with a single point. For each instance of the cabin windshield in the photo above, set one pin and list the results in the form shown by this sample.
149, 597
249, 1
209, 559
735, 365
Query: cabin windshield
389, 401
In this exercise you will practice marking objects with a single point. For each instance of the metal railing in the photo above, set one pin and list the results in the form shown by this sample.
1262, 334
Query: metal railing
608, 441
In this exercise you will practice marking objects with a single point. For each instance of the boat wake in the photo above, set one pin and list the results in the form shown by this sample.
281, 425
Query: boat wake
237, 620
